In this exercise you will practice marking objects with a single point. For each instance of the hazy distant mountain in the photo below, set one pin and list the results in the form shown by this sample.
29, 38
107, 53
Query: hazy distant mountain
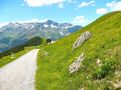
17, 33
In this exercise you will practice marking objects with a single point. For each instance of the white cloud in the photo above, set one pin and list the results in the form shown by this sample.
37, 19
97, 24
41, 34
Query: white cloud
111, 4
3, 24
79, 20
114, 6
22, 4
72, 1
84, 4
69, 1
23, 21
31, 20
39, 3
101, 11
61, 5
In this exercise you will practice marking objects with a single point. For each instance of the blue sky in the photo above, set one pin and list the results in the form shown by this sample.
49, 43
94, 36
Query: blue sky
80, 12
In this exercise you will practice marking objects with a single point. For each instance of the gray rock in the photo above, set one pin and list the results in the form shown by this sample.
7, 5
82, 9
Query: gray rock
116, 85
74, 67
82, 38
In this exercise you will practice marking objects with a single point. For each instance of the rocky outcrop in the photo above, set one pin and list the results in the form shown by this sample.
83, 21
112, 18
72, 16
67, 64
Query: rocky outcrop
82, 38
74, 67
117, 85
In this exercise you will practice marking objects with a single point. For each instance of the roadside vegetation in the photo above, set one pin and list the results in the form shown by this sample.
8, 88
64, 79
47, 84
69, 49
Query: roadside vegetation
14, 53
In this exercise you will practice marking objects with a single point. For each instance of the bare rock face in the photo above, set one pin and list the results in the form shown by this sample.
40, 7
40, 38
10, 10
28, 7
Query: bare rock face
74, 67
82, 38
116, 85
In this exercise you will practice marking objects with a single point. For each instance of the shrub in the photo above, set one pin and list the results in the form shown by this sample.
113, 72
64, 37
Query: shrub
48, 41
34, 41
104, 70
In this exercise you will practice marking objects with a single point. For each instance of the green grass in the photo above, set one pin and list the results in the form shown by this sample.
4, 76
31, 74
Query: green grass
35, 41
7, 59
52, 72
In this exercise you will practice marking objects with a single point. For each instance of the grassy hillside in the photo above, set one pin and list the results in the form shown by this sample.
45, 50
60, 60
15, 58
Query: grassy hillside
32, 42
105, 45
9, 58
14, 53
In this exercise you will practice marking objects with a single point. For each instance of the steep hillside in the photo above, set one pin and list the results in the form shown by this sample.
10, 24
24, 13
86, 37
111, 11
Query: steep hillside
104, 46
15, 34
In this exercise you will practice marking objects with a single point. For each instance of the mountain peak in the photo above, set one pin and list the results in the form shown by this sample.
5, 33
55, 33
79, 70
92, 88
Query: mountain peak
49, 22
23, 31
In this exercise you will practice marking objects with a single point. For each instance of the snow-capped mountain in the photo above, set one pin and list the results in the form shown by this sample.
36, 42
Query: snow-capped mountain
14, 34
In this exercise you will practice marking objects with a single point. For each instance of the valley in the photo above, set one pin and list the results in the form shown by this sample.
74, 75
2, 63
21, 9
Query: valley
60, 44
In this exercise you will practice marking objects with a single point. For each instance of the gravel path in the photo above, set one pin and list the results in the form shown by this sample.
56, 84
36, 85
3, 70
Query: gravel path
19, 74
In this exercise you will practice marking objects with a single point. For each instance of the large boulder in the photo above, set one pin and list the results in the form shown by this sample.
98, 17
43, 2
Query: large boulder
82, 38
74, 67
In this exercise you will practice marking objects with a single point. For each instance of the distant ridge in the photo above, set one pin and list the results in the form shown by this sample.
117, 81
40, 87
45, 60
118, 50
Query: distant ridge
17, 33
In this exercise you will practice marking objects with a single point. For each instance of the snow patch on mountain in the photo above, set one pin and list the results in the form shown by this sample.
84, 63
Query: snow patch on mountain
61, 33
17, 33
53, 26
45, 25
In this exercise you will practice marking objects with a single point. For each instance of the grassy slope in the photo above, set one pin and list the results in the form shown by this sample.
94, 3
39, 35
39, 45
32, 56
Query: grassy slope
20, 50
7, 59
52, 72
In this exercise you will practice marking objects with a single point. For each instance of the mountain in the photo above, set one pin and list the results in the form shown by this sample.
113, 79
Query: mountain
100, 52
15, 34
